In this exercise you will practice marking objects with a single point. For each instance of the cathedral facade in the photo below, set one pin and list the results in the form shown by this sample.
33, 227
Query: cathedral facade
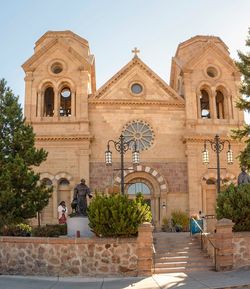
74, 121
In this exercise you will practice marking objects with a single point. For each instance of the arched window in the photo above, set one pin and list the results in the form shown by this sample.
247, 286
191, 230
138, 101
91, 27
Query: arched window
220, 111
65, 102
211, 182
48, 102
63, 193
204, 104
139, 187
63, 182
47, 182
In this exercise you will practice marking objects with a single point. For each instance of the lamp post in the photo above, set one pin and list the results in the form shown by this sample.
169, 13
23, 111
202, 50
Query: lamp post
217, 145
122, 146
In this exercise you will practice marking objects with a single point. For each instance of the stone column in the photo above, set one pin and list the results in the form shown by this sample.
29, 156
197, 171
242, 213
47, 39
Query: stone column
223, 241
57, 98
145, 249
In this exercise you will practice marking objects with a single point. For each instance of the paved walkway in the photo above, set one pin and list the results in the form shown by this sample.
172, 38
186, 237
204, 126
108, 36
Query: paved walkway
197, 280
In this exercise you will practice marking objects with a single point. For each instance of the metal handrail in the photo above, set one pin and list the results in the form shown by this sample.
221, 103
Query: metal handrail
215, 248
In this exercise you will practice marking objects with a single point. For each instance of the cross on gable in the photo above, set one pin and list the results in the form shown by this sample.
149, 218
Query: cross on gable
136, 51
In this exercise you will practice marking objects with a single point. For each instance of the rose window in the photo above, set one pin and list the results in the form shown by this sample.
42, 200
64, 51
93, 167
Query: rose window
141, 132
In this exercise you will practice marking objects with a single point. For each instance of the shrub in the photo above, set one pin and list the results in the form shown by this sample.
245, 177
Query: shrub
117, 216
165, 227
234, 203
180, 220
50, 231
19, 230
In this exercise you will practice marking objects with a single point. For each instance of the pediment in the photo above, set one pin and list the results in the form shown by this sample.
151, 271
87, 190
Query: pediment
118, 88
210, 51
57, 46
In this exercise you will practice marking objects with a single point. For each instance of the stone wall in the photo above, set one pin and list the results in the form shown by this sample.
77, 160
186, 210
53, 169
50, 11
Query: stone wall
241, 247
175, 174
233, 248
77, 256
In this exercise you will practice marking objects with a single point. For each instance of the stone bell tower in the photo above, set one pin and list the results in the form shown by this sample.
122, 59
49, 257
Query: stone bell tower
60, 76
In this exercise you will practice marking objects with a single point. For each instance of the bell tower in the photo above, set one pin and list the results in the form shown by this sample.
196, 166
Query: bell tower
60, 76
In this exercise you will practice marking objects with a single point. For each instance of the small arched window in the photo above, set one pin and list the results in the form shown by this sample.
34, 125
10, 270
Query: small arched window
65, 102
47, 182
220, 110
48, 102
211, 182
204, 104
63, 182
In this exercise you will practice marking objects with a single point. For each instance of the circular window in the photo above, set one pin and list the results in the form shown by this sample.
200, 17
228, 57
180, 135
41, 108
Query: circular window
65, 93
212, 72
136, 88
57, 68
139, 131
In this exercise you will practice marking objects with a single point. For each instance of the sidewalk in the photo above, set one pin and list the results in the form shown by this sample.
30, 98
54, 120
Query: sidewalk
197, 280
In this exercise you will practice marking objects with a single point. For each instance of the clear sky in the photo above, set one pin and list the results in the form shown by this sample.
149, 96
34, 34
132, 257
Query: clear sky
114, 27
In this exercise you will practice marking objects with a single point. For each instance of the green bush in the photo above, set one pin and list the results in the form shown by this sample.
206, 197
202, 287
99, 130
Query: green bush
180, 220
50, 231
165, 225
117, 216
19, 230
234, 203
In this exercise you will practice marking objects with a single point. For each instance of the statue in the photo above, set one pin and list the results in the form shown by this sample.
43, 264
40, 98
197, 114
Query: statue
243, 177
79, 203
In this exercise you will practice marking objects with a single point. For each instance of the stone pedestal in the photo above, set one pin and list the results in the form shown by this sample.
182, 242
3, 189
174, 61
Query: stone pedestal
224, 244
78, 227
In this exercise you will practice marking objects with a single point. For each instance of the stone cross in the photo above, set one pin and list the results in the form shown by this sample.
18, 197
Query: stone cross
135, 51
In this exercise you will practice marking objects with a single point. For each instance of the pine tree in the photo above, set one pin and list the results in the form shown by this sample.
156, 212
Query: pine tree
244, 103
21, 193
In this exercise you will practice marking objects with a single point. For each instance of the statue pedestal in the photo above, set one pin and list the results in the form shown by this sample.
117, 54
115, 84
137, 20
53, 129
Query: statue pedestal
78, 224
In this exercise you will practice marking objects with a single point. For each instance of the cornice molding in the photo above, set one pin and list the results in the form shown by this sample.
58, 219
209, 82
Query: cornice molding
64, 138
202, 138
135, 102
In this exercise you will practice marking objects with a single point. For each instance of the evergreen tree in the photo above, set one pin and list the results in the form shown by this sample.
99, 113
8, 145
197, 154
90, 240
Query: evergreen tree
244, 103
21, 194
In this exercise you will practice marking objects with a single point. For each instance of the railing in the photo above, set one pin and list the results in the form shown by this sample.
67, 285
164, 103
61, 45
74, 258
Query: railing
154, 252
202, 233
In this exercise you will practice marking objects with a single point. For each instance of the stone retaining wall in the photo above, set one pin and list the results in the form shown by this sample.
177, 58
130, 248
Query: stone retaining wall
233, 248
241, 249
77, 256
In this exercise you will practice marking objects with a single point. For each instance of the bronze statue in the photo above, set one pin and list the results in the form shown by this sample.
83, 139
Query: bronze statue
79, 203
243, 177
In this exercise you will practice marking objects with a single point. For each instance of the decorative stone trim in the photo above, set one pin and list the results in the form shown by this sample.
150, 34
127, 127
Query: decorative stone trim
63, 138
157, 176
136, 102
46, 175
224, 175
199, 139
63, 175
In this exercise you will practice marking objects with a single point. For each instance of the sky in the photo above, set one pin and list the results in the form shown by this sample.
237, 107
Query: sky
114, 27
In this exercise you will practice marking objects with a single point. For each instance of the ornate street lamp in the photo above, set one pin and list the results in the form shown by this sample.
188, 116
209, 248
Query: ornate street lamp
217, 145
122, 146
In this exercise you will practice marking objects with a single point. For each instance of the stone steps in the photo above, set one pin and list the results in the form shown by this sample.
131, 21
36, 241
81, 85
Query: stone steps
179, 252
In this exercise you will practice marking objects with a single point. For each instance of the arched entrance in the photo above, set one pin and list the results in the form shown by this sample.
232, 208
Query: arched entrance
152, 185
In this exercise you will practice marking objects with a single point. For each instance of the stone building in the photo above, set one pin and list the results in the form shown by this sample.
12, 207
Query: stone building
73, 121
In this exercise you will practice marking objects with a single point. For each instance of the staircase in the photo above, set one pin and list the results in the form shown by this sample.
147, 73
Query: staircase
179, 252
